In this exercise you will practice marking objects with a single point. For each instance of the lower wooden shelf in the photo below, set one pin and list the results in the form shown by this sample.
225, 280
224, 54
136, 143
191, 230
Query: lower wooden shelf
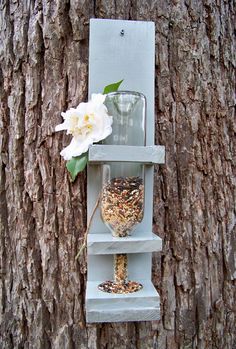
143, 305
136, 243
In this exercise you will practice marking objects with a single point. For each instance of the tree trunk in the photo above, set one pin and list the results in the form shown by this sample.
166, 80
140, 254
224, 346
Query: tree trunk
43, 71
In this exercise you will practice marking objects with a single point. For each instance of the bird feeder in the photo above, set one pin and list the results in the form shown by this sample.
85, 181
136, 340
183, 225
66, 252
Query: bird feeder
120, 241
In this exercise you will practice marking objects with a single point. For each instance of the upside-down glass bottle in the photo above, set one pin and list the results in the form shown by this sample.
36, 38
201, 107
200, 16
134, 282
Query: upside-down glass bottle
122, 197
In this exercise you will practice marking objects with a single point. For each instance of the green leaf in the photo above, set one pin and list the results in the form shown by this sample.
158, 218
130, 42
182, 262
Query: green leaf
76, 165
112, 87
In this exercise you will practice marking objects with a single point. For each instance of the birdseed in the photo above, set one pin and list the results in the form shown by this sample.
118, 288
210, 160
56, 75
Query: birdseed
113, 287
120, 268
122, 204
121, 284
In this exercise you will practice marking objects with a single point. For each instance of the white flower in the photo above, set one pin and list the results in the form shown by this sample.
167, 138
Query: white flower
88, 123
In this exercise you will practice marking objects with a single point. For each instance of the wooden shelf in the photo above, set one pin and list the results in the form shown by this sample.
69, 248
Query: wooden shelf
137, 243
153, 154
143, 305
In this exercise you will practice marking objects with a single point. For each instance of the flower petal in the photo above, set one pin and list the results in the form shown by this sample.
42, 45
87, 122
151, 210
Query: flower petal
88, 123
98, 98
82, 108
76, 147
61, 127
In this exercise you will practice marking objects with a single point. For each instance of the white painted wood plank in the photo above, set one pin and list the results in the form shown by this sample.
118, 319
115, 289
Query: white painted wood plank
138, 306
124, 315
131, 57
139, 266
111, 56
106, 68
93, 294
154, 154
138, 242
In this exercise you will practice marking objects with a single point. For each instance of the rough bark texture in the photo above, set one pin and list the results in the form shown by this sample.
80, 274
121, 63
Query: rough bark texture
43, 71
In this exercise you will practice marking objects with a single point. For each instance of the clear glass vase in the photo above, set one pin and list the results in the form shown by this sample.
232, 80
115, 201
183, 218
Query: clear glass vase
122, 199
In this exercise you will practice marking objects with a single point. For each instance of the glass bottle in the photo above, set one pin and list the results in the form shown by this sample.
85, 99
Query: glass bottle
122, 197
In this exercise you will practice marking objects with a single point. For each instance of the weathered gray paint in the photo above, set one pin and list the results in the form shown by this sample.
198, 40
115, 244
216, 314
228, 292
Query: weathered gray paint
111, 58
131, 57
102, 266
125, 314
153, 154
137, 306
107, 244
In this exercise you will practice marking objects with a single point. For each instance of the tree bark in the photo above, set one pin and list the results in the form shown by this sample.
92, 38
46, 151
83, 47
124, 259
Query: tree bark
43, 71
